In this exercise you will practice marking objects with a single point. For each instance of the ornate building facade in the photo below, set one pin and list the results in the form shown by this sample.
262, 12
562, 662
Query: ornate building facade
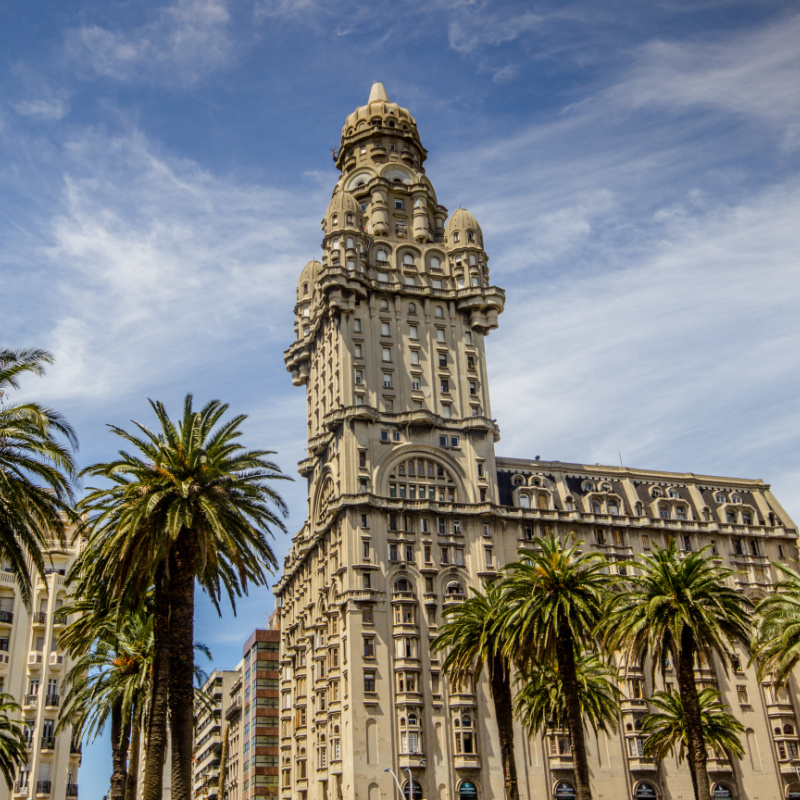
409, 507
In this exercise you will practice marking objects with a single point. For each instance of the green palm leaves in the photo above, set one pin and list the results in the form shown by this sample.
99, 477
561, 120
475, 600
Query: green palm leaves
13, 747
666, 729
777, 639
36, 470
187, 502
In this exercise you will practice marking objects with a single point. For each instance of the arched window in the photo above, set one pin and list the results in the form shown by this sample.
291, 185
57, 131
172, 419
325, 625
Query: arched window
524, 501
655, 492
541, 501
350, 243
673, 493
334, 219
384, 305
410, 736
470, 236
518, 480
788, 730
305, 288
639, 510
381, 256
455, 236
564, 790
412, 308
467, 791
349, 219
402, 585
436, 263
408, 260
439, 313
422, 479
587, 486
663, 511
644, 791
454, 589
720, 498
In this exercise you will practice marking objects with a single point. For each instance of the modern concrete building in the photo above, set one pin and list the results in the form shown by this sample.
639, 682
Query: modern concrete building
409, 507
250, 728
33, 670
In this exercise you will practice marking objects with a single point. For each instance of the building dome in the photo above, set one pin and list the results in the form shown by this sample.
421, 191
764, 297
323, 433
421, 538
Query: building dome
343, 212
308, 277
462, 230
379, 111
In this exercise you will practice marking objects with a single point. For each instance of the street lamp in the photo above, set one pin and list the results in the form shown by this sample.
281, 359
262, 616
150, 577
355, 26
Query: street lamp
396, 781
411, 780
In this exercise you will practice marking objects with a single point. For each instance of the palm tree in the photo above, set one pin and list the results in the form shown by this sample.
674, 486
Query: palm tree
667, 728
189, 503
553, 600
541, 702
776, 643
472, 638
36, 471
680, 608
13, 746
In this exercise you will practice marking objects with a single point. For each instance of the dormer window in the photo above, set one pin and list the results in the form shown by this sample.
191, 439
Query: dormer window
398, 204
305, 288
720, 498
349, 219
673, 493
334, 219
470, 236
455, 237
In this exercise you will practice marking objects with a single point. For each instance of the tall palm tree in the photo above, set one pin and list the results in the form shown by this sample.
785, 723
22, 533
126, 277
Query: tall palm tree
554, 594
541, 703
666, 729
190, 503
472, 638
36, 470
680, 608
776, 643
13, 746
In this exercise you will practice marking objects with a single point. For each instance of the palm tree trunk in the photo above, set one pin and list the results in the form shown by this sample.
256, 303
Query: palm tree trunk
500, 683
156, 738
118, 768
565, 656
223, 763
696, 747
131, 784
181, 675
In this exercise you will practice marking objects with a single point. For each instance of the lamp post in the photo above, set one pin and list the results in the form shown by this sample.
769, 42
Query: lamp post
396, 781
411, 779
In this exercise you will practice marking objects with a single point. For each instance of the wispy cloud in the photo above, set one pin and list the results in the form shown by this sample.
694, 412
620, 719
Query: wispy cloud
50, 110
180, 45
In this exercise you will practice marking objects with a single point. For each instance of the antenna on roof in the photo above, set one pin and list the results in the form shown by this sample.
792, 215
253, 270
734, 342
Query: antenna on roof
620, 459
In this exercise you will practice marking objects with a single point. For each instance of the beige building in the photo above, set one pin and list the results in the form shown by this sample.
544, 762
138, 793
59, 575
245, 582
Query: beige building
33, 671
409, 507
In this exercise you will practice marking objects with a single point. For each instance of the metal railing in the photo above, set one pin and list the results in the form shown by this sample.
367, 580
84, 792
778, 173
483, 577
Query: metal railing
39, 617
7, 616
43, 787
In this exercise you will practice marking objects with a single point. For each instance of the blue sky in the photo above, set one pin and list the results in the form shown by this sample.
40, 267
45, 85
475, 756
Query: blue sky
635, 168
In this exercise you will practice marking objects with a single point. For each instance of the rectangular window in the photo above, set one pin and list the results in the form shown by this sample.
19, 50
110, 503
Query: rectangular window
446, 411
470, 361
362, 459
415, 386
365, 550
366, 582
387, 380
409, 552
489, 556
425, 525
364, 521
398, 204
413, 332
366, 615
468, 337
645, 541
473, 388
440, 334
396, 436
384, 328
386, 354
356, 325
445, 386
369, 647
445, 556
480, 469
415, 356
741, 694
359, 377
392, 552
358, 352
441, 526
369, 680
454, 441
427, 552
442, 360
384, 436
459, 557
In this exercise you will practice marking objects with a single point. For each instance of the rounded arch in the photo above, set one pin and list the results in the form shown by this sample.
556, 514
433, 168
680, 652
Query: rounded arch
359, 180
723, 790
467, 790
323, 496
564, 790
644, 790
393, 172
404, 452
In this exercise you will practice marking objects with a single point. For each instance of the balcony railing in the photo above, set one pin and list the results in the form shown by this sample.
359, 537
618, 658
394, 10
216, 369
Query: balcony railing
51, 701
43, 787
31, 699
75, 748
21, 786
72, 790
35, 657
39, 617
56, 659
7, 617
48, 742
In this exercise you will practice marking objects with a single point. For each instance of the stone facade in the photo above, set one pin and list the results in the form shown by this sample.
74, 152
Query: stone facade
408, 507
33, 671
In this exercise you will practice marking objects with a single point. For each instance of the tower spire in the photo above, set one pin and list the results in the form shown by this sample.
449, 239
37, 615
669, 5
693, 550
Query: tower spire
378, 92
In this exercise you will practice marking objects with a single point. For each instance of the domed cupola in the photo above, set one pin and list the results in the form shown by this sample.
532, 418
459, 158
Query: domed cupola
462, 230
307, 281
343, 214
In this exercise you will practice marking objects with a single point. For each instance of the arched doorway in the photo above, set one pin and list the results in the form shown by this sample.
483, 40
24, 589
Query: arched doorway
467, 791
644, 791
417, 791
722, 792
564, 791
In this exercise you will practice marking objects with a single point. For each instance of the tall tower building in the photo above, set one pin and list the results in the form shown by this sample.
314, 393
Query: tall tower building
408, 507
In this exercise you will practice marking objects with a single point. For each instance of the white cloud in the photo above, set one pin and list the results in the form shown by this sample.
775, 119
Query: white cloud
473, 28
752, 73
183, 43
51, 110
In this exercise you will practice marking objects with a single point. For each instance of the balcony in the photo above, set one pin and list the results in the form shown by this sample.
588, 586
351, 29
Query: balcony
233, 709
39, 618
60, 619
56, 659
72, 790
43, 787
6, 617
35, 658
48, 742
51, 701
642, 764
30, 700
21, 786
75, 748
466, 761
